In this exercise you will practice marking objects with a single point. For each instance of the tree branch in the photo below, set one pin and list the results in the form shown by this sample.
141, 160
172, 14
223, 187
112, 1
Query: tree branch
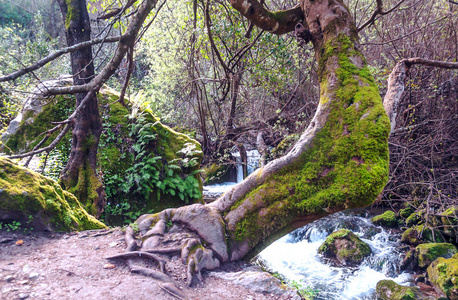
56, 55
116, 11
379, 11
279, 22
396, 83
47, 148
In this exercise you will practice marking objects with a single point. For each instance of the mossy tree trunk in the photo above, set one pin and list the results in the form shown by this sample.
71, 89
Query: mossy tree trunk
79, 175
340, 161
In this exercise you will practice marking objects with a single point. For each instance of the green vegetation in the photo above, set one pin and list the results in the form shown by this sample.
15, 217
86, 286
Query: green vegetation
146, 166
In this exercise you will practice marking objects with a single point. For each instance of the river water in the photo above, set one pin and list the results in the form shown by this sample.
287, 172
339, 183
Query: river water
295, 257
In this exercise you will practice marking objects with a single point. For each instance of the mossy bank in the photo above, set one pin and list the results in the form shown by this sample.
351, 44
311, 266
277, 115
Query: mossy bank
29, 197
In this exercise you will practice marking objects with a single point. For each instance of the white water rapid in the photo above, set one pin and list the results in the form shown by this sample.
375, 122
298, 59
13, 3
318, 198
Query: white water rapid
295, 257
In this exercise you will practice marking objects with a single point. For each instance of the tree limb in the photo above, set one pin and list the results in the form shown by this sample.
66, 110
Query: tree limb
116, 11
279, 22
396, 83
379, 11
56, 55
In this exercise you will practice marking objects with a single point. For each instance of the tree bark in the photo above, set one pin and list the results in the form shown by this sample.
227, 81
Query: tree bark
340, 161
80, 174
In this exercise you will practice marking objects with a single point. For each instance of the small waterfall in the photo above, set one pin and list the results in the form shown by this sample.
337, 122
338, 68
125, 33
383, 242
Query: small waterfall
215, 190
303, 264
253, 158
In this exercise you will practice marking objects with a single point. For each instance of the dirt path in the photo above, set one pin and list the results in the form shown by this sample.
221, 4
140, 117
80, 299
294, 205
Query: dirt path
72, 266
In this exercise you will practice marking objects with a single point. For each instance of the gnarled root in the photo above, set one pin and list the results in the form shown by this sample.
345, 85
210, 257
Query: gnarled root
195, 233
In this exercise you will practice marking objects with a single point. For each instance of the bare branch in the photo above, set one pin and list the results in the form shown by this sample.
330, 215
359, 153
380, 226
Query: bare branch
116, 11
56, 55
47, 148
379, 11
431, 63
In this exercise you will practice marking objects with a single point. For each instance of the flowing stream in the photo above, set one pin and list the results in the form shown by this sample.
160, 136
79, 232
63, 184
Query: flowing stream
295, 257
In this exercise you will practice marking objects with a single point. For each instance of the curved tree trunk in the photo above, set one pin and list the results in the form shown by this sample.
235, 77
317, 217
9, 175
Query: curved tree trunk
79, 175
340, 161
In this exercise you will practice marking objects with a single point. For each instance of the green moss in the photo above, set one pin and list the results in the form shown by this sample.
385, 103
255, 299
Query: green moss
26, 193
72, 12
344, 245
388, 219
443, 274
427, 253
347, 164
390, 290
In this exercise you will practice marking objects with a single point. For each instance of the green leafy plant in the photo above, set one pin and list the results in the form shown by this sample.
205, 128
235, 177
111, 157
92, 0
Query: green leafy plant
304, 290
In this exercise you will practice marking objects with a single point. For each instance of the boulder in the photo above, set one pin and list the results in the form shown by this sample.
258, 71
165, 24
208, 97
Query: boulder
345, 246
39, 201
256, 280
420, 234
414, 219
387, 219
443, 274
145, 165
424, 254
406, 212
390, 290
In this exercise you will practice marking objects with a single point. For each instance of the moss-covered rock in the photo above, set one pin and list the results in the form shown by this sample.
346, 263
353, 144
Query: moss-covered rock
406, 212
145, 165
443, 274
449, 222
345, 246
414, 219
420, 234
390, 290
27, 196
388, 219
425, 254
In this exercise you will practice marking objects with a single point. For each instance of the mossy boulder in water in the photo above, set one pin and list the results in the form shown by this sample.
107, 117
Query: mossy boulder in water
443, 274
390, 290
345, 246
145, 165
388, 219
29, 197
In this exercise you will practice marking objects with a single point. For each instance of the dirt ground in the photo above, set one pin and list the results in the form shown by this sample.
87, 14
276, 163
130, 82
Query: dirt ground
73, 266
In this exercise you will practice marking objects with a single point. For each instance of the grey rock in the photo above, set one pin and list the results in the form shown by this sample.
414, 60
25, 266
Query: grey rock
23, 296
9, 278
258, 281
